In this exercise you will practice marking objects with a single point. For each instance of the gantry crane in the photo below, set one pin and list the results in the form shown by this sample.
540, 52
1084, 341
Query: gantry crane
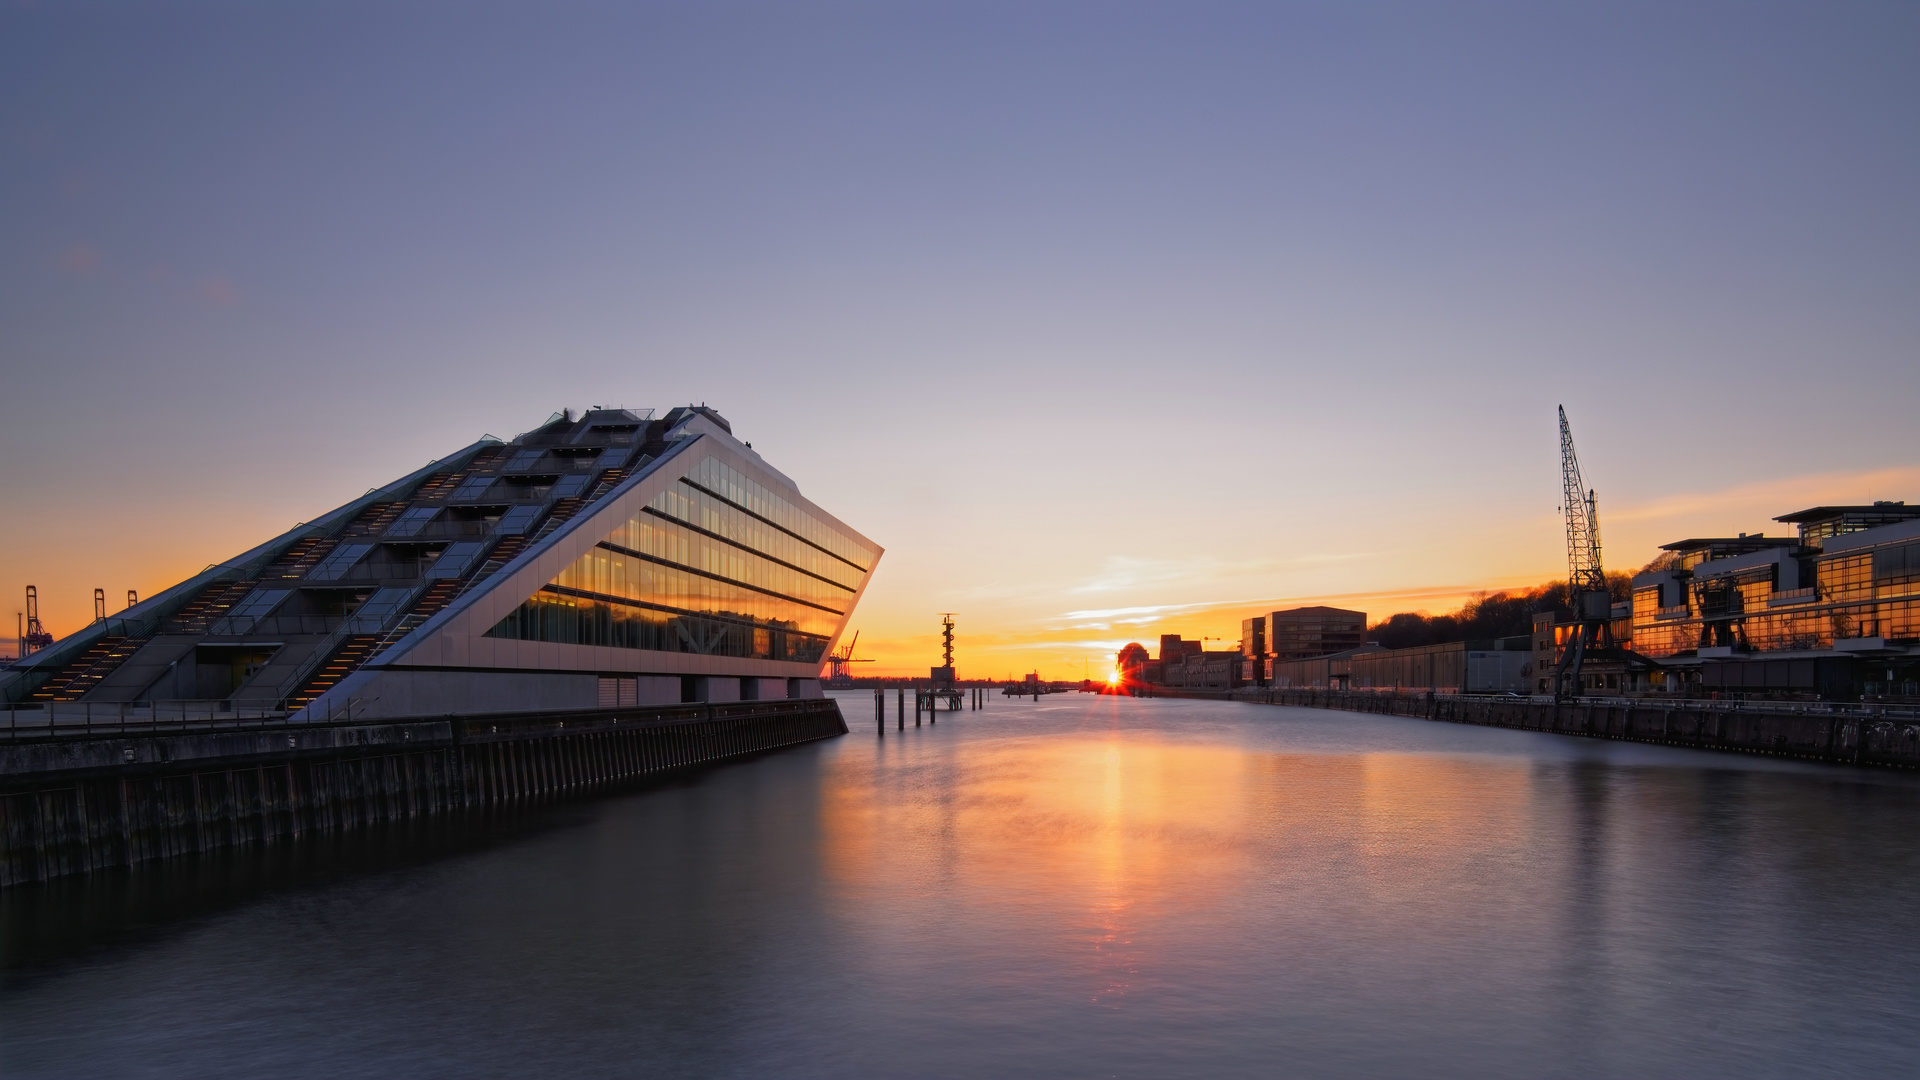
837, 674
1587, 589
33, 635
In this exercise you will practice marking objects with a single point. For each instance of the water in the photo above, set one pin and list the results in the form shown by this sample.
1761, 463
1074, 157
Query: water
1084, 887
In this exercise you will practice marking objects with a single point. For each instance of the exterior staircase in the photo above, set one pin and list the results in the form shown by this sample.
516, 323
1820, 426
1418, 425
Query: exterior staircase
503, 553
436, 597
349, 656
298, 559
609, 480
562, 510
72, 682
213, 602
374, 519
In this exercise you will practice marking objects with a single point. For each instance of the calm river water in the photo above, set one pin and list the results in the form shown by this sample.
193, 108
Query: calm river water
1083, 887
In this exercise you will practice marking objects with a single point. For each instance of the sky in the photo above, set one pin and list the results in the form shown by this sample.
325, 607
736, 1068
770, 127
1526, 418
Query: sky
1106, 320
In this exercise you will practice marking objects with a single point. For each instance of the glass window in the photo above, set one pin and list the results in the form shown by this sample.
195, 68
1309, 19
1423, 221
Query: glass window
252, 607
380, 608
338, 562
696, 570
453, 562
515, 521
472, 488
411, 522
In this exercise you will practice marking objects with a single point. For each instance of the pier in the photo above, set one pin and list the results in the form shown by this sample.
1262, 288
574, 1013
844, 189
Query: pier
74, 800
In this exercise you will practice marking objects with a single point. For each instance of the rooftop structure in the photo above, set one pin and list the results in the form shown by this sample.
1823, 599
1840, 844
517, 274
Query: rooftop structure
1846, 590
1820, 522
611, 559
1691, 553
1305, 632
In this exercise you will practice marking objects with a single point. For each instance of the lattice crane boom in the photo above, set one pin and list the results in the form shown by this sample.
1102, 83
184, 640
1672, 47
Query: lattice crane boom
1583, 522
1587, 591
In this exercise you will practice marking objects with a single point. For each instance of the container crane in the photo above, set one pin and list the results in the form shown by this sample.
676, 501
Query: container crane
837, 674
1587, 590
33, 635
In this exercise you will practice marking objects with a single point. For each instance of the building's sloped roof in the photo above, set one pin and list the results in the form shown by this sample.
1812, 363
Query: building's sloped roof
436, 548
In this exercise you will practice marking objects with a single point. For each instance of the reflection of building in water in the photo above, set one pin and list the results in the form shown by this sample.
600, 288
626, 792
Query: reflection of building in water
609, 559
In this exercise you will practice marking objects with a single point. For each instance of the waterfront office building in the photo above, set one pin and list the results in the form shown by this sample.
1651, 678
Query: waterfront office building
1306, 632
606, 560
1253, 650
1834, 610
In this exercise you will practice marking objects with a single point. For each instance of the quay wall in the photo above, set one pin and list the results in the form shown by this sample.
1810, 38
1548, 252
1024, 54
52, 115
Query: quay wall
74, 803
1848, 738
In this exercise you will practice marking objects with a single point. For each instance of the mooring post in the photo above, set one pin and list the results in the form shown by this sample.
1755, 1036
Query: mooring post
900, 708
880, 709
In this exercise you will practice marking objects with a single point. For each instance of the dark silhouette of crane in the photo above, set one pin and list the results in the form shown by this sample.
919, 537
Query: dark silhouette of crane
1586, 583
837, 674
33, 636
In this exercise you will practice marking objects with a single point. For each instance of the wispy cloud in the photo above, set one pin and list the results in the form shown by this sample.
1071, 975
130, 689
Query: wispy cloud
1775, 496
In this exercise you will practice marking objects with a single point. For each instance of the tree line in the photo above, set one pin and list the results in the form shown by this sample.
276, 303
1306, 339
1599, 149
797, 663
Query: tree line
1485, 615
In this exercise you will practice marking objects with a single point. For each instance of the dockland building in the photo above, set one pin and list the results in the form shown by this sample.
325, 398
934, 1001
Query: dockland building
1833, 610
609, 559
1830, 612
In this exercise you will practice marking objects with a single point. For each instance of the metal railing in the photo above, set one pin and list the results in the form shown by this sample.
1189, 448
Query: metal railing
333, 642
77, 719
44, 722
229, 626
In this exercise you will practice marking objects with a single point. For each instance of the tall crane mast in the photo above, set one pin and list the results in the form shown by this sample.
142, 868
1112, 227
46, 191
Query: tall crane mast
1587, 589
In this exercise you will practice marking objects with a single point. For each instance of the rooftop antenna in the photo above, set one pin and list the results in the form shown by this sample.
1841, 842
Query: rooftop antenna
1586, 583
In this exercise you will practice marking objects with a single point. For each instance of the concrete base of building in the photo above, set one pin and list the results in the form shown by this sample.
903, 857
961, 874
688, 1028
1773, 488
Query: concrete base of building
79, 802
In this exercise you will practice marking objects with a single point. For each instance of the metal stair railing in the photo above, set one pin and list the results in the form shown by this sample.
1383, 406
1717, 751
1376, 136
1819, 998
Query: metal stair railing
348, 628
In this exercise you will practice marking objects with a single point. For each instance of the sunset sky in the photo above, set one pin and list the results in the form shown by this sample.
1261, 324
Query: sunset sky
1105, 320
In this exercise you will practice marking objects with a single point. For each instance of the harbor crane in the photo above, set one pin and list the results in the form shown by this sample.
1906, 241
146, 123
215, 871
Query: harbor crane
837, 673
33, 635
1587, 590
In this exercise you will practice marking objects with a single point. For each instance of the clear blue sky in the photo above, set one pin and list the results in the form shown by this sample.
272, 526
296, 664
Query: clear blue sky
1073, 307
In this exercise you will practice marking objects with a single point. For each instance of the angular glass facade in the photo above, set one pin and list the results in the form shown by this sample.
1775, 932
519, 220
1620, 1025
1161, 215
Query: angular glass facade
1861, 593
716, 564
